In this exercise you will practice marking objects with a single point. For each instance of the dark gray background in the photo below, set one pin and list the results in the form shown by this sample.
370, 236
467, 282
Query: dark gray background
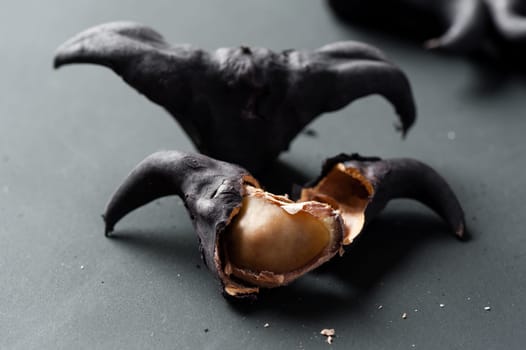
68, 137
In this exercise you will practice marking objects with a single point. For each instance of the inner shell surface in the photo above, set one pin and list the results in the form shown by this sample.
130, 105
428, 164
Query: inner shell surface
345, 189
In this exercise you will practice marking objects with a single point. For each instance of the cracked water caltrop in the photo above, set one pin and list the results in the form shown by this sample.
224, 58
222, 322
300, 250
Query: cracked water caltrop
252, 239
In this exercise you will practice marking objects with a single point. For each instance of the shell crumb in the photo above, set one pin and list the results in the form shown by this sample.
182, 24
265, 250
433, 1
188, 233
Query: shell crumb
266, 325
404, 315
329, 333
487, 308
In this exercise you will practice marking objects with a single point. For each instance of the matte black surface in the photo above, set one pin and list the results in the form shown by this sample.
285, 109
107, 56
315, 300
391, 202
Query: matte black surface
68, 138
401, 178
243, 105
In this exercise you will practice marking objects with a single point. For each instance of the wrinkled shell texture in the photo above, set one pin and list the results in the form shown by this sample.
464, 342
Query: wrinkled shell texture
242, 105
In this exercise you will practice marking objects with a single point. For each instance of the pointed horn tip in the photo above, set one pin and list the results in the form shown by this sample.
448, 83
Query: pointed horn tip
108, 231
57, 62
108, 228
60, 57
460, 231
403, 132
434, 44
403, 129
446, 45
406, 117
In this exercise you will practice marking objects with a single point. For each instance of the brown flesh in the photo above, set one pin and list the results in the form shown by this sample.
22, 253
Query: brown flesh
346, 190
273, 240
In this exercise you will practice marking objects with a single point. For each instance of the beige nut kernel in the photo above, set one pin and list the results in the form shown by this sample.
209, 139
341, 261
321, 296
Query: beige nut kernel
265, 234
274, 240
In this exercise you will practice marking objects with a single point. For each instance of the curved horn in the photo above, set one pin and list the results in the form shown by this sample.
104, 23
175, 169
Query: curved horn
364, 185
410, 178
467, 21
211, 190
345, 71
141, 57
207, 187
461, 22
111, 44
508, 20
